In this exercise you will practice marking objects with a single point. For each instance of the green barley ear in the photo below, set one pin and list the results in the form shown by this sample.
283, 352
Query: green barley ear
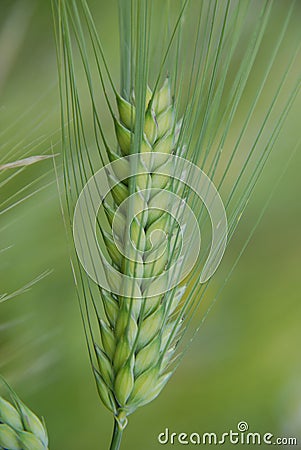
20, 428
136, 305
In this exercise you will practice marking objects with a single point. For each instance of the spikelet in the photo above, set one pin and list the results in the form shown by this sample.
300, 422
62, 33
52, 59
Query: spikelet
20, 428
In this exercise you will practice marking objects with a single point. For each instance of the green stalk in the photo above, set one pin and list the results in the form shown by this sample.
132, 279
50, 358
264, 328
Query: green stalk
117, 436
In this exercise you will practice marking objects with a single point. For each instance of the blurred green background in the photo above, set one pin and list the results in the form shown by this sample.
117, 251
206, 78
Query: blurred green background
244, 363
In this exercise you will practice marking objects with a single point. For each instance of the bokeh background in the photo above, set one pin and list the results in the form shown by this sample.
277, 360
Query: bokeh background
244, 363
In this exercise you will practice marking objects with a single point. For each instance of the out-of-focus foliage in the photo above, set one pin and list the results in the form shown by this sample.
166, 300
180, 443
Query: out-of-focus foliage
244, 363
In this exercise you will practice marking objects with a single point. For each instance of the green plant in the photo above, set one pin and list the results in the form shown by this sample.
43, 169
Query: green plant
139, 335
20, 428
188, 115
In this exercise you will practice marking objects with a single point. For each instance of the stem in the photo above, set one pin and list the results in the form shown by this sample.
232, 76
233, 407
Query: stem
117, 435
